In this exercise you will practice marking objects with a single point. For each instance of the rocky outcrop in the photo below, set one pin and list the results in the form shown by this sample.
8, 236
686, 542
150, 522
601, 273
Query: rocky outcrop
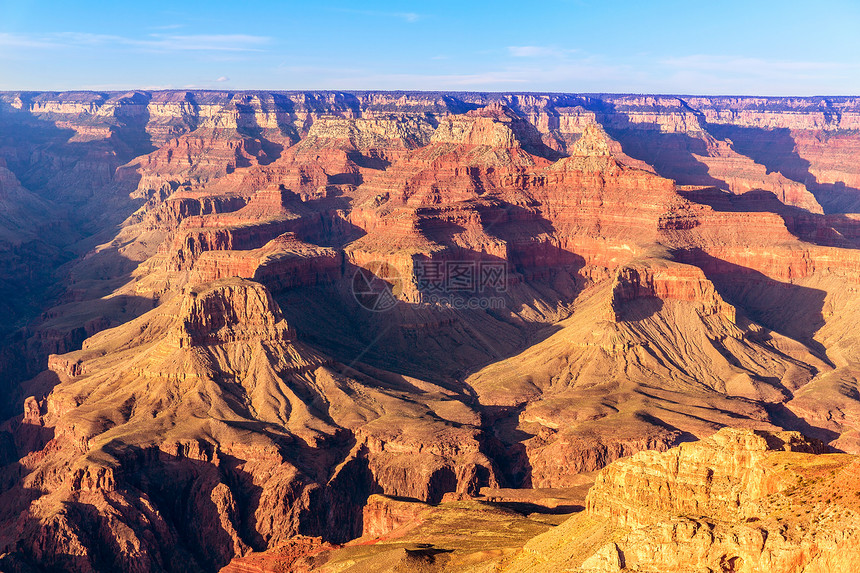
668, 282
206, 334
702, 505
384, 514
296, 555
737, 501
284, 262
173, 211
225, 313
132, 422
720, 476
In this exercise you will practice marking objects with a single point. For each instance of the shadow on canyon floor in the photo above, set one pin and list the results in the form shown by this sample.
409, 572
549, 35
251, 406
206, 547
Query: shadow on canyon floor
776, 149
781, 416
78, 178
823, 230
764, 299
672, 155
437, 335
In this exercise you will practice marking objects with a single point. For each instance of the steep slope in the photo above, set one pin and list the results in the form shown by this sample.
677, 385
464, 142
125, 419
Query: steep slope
280, 303
28, 230
736, 501
211, 395
645, 361
740, 501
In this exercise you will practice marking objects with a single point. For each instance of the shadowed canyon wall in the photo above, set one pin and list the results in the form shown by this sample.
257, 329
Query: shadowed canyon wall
230, 319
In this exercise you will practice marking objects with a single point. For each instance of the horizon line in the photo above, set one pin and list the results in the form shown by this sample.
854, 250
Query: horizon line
417, 91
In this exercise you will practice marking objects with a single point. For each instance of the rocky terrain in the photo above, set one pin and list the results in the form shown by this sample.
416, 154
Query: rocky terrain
263, 330
737, 501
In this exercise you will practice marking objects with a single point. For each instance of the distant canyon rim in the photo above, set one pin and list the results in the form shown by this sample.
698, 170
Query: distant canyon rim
418, 331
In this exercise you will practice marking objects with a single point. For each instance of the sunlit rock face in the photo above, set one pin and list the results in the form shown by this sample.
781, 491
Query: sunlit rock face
244, 328
738, 500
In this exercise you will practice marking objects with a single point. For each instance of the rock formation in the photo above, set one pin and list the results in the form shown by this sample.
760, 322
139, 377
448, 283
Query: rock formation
195, 377
211, 394
737, 501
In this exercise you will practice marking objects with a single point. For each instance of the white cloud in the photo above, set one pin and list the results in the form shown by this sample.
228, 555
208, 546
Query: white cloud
534, 51
739, 75
586, 74
109, 87
209, 42
22, 41
153, 42
223, 79
745, 65
408, 17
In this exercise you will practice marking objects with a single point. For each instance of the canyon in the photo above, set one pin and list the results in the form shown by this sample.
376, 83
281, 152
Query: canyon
388, 331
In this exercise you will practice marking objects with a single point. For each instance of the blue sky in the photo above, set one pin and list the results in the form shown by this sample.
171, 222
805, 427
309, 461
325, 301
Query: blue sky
658, 46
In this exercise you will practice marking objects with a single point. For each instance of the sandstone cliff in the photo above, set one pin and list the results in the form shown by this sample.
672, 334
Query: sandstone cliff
191, 290
210, 394
736, 501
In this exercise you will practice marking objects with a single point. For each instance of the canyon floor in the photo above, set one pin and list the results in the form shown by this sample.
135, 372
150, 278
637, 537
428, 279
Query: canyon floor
381, 331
